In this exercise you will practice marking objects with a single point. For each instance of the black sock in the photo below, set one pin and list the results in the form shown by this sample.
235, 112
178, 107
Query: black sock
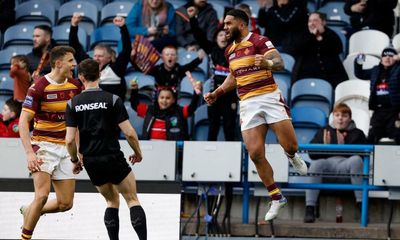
111, 221
138, 220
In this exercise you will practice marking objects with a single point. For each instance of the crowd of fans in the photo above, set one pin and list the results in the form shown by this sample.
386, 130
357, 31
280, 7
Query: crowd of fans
196, 28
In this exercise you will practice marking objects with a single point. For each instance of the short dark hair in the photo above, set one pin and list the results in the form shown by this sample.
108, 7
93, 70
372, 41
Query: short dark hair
239, 14
14, 106
320, 14
45, 28
89, 69
59, 52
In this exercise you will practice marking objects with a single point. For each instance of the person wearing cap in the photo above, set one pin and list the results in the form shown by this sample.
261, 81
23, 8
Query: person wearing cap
384, 99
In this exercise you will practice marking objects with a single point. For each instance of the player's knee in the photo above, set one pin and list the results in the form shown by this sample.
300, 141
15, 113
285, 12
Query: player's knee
256, 155
291, 147
65, 206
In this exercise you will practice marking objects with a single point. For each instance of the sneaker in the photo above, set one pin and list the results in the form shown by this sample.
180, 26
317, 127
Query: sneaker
310, 214
298, 164
274, 208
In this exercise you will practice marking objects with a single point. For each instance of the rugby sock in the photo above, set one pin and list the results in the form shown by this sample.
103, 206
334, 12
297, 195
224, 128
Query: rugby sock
26, 234
274, 192
111, 221
138, 220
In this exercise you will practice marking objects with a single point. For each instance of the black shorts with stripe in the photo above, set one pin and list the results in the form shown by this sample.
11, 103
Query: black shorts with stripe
111, 168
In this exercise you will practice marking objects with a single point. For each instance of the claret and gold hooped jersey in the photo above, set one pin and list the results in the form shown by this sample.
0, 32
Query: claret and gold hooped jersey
251, 80
47, 100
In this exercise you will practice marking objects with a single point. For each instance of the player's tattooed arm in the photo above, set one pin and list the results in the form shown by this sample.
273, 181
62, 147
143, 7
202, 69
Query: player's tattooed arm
274, 60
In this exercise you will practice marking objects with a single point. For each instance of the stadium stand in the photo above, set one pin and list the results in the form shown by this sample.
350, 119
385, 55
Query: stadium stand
36, 13
111, 10
88, 11
312, 92
18, 35
306, 122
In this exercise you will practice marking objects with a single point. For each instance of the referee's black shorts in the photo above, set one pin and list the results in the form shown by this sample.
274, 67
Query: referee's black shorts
111, 168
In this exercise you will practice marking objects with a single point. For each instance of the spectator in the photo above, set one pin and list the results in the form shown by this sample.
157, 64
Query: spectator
7, 14
165, 120
342, 131
19, 72
284, 22
39, 57
225, 106
9, 119
170, 73
318, 52
371, 14
154, 19
206, 18
253, 21
384, 99
112, 75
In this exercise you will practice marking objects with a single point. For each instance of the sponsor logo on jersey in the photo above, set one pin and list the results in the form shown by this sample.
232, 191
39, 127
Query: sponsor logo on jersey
28, 101
51, 96
90, 106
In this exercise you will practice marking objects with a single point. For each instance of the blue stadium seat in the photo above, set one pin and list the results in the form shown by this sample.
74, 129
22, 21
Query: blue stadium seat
145, 82
306, 122
289, 61
98, 3
108, 34
18, 35
185, 92
219, 7
201, 125
283, 80
61, 35
55, 3
6, 54
312, 92
271, 137
111, 10
312, 5
6, 82
185, 57
36, 12
88, 11
136, 121
335, 15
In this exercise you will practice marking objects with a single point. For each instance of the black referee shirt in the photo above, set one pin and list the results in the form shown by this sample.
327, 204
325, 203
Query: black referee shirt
96, 113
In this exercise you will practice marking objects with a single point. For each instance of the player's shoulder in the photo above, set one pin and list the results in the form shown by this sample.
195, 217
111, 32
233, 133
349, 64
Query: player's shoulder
75, 82
39, 84
257, 38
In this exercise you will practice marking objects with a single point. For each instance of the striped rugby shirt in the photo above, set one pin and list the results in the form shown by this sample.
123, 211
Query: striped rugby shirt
47, 100
250, 79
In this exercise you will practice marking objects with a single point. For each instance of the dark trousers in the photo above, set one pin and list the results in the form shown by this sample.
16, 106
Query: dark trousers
226, 108
383, 125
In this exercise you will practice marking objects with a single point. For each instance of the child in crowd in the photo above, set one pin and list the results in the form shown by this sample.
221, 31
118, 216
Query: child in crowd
9, 119
19, 72
165, 119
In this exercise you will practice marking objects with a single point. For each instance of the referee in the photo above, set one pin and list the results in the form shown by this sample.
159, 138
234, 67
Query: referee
97, 115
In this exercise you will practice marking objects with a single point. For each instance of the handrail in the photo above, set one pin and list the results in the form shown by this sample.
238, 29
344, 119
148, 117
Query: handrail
364, 150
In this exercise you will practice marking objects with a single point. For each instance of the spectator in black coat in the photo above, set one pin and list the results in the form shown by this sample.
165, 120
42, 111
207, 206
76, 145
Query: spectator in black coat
384, 99
284, 21
206, 17
371, 14
318, 53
